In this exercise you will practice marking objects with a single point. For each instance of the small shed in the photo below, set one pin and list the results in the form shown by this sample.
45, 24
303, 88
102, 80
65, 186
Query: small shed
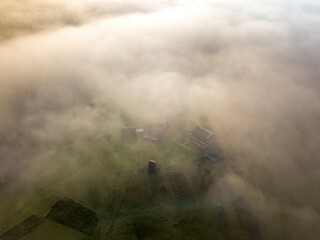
140, 132
213, 152
152, 167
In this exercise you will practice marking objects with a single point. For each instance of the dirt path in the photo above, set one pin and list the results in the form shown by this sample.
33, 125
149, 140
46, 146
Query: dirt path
110, 210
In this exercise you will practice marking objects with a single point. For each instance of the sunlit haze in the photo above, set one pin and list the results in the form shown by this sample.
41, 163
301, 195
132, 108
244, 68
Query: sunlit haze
78, 76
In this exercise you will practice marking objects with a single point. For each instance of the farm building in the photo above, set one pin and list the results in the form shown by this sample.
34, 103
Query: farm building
152, 167
201, 137
212, 152
140, 132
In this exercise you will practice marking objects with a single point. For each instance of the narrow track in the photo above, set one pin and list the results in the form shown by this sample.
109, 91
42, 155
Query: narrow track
110, 211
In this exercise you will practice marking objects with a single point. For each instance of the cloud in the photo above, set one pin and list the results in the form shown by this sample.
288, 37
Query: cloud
250, 66
20, 18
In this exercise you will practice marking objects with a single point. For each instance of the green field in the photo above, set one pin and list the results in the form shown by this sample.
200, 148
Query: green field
189, 197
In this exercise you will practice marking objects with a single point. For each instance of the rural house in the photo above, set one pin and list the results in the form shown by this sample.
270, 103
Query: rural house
201, 137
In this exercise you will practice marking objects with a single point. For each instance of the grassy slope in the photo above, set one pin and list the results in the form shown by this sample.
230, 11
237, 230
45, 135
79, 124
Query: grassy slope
145, 213
85, 174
